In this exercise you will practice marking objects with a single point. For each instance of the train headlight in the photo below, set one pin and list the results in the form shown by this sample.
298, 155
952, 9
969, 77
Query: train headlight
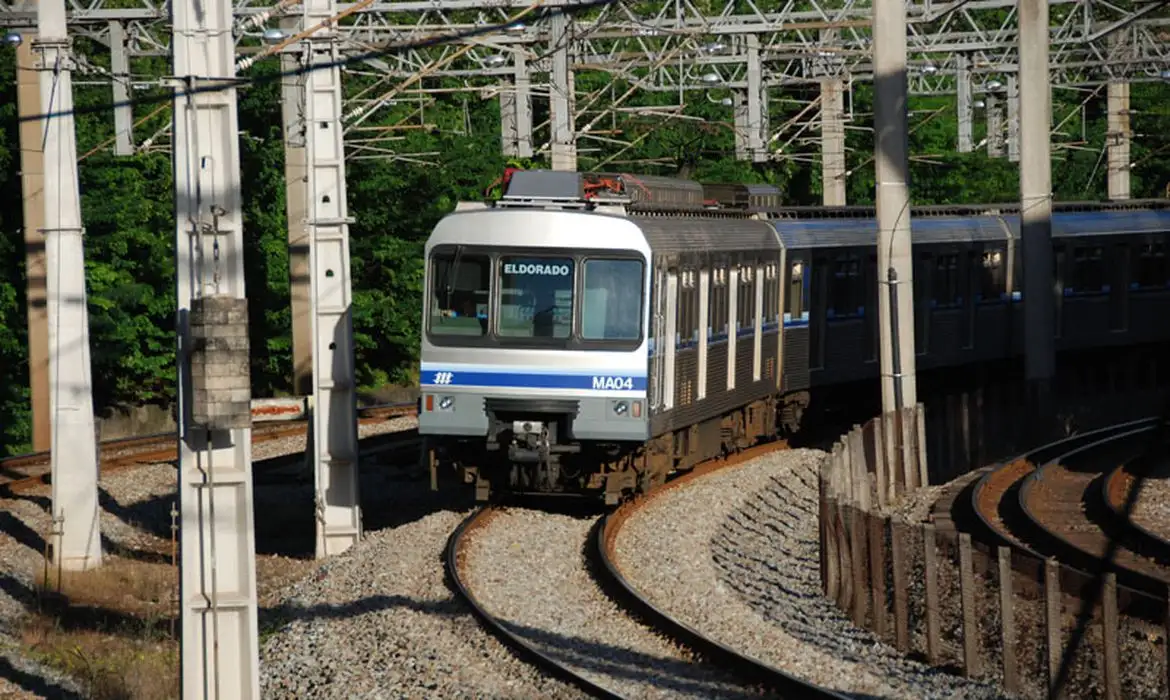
446, 403
621, 407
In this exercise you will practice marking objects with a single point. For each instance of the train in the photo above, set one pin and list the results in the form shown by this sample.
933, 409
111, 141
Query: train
590, 334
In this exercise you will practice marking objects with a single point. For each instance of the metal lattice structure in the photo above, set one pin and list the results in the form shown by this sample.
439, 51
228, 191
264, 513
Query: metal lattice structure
748, 51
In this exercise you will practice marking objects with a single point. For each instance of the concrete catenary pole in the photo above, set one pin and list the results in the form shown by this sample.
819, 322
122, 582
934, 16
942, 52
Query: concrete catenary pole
77, 534
964, 106
293, 115
563, 144
1119, 136
123, 109
32, 186
833, 142
334, 416
1036, 195
896, 302
220, 650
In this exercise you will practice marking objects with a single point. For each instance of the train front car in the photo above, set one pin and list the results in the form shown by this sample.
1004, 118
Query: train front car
534, 349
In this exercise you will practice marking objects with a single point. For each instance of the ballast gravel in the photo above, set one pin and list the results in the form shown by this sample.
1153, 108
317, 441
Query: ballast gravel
529, 569
734, 554
380, 622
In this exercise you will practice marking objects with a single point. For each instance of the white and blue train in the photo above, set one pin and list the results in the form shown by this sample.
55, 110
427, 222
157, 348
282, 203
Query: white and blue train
593, 334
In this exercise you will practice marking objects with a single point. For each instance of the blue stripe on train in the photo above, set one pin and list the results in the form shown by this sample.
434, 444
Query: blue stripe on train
528, 380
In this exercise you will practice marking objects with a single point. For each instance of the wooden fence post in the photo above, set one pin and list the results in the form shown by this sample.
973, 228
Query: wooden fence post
908, 463
1053, 608
893, 454
857, 554
967, 594
1011, 678
920, 440
877, 571
845, 593
901, 592
1109, 630
930, 559
872, 444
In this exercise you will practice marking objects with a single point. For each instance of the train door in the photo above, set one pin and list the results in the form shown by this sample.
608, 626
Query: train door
659, 346
669, 339
732, 322
704, 328
758, 322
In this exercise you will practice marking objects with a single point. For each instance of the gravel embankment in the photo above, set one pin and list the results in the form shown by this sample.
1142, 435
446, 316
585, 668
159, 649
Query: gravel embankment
379, 621
136, 525
1152, 508
528, 568
735, 555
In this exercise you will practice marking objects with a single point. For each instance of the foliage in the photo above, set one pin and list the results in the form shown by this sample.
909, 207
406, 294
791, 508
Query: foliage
395, 201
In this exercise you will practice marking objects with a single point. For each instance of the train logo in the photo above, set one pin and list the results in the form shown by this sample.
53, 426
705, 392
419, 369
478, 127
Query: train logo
444, 377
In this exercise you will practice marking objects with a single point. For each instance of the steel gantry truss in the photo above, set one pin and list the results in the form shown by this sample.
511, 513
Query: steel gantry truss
672, 47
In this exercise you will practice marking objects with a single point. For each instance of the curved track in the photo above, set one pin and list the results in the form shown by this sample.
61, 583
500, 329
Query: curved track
783, 684
1061, 501
453, 559
776, 682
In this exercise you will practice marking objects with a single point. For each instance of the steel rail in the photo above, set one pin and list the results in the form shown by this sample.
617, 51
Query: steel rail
455, 543
775, 679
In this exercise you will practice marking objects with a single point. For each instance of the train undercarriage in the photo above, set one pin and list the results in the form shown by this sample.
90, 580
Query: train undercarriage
530, 450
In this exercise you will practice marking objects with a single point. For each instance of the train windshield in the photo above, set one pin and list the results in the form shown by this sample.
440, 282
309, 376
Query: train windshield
459, 293
536, 297
539, 299
612, 307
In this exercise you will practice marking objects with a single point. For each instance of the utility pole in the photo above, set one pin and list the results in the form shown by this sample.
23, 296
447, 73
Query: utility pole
563, 145
1013, 119
293, 115
1036, 200
757, 102
334, 442
963, 97
995, 130
77, 541
896, 304
516, 111
32, 185
832, 142
123, 110
219, 651
1118, 137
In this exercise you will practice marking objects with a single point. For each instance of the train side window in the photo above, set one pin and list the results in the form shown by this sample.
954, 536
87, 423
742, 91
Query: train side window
992, 275
846, 287
796, 290
946, 291
746, 301
717, 308
1088, 270
1150, 266
459, 294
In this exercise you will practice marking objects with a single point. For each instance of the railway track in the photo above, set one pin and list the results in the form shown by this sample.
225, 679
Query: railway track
771, 681
20, 473
1067, 501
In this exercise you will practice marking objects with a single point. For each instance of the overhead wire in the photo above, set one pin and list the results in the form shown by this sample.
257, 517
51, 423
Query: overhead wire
388, 50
